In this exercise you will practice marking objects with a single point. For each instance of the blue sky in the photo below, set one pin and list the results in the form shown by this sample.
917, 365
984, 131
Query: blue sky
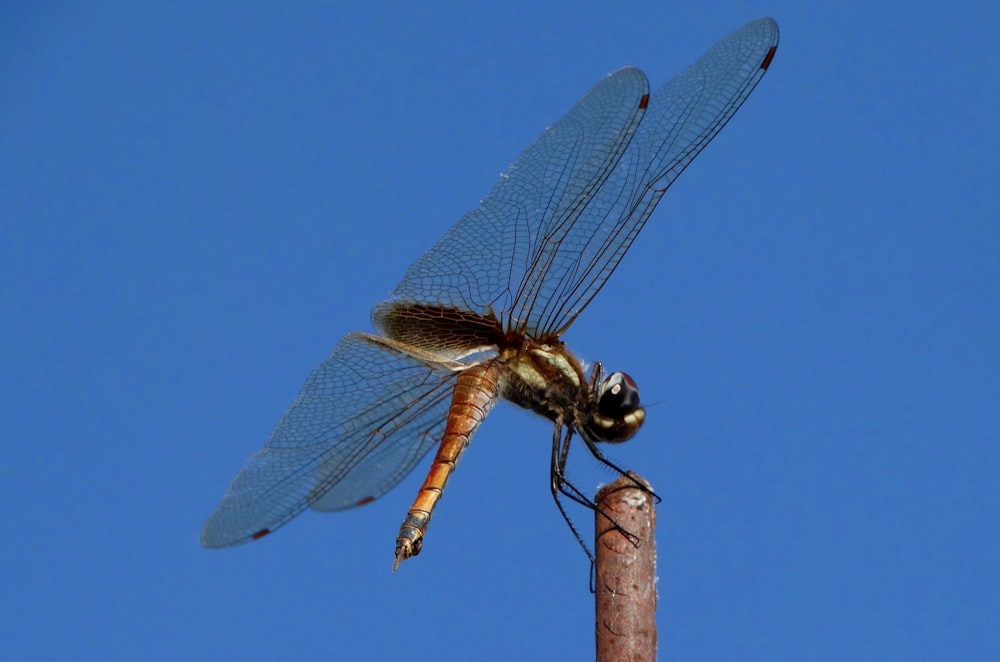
197, 202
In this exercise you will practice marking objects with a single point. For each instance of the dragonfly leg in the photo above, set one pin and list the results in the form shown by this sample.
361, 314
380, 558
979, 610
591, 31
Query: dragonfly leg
559, 484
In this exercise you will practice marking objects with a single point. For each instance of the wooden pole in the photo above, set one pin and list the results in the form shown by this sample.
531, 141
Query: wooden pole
625, 572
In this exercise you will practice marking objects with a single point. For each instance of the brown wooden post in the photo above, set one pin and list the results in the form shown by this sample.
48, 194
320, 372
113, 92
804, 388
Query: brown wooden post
625, 572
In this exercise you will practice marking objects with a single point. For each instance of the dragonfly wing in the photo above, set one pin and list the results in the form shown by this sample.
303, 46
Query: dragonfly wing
363, 419
482, 262
548, 236
682, 117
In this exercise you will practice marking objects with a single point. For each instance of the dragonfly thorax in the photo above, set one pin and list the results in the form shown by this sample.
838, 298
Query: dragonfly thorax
546, 379
550, 381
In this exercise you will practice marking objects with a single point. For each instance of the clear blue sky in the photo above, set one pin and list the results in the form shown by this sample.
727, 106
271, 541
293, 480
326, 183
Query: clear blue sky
197, 202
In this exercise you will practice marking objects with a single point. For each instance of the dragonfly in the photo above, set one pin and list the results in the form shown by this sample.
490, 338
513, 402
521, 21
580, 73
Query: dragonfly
479, 316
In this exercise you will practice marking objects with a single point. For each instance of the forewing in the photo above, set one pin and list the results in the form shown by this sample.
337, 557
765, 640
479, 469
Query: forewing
482, 262
363, 419
683, 116
545, 240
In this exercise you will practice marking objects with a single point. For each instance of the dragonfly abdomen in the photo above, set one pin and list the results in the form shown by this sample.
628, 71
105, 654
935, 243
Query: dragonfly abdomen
476, 392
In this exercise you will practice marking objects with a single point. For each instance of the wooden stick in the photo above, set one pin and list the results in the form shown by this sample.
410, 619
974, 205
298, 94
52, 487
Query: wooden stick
625, 572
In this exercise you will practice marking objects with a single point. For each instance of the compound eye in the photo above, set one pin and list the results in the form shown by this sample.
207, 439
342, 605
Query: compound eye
619, 396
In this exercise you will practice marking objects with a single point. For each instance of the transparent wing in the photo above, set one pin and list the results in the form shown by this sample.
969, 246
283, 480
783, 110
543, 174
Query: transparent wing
483, 261
545, 240
363, 419
682, 117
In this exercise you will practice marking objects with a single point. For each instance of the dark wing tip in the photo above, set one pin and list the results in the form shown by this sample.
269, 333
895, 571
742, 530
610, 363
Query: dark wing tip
767, 58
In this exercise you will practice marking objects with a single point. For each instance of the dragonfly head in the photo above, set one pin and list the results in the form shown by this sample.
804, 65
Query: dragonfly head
616, 415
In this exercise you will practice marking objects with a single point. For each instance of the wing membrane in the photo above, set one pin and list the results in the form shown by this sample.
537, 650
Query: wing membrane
684, 115
363, 419
545, 240
482, 264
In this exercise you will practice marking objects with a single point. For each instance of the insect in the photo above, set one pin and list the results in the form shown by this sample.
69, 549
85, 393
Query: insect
479, 316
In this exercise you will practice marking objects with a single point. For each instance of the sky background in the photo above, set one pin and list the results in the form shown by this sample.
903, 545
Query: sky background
197, 200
